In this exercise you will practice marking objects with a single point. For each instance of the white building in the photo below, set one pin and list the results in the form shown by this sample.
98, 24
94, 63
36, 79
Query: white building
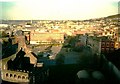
4, 25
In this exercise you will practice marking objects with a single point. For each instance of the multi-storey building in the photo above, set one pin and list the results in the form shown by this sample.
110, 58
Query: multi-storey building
101, 44
46, 37
107, 46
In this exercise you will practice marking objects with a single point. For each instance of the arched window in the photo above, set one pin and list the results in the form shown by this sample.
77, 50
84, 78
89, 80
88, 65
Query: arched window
15, 76
23, 77
6, 74
11, 75
19, 76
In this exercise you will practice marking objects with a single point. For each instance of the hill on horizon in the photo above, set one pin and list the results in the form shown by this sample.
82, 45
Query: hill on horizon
110, 16
114, 16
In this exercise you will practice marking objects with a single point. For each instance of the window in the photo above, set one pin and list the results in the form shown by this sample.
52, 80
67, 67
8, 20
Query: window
26, 77
15, 76
19, 76
112, 44
107, 49
23, 77
10, 75
107, 44
103, 44
112, 49
6, 74
103, 49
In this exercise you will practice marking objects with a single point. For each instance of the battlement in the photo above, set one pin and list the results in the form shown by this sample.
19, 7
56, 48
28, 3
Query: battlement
14, 76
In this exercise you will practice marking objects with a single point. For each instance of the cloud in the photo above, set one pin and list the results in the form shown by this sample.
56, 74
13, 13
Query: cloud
61, 9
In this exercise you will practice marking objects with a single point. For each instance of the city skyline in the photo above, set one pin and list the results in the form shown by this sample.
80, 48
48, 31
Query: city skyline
57, 9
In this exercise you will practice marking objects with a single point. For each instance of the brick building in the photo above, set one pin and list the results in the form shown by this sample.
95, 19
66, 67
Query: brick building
107, 46
101, 44
46, 37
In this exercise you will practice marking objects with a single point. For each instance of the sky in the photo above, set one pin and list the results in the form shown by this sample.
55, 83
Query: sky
56, 9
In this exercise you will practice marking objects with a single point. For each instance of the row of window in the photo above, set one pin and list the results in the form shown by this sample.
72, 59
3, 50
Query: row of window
107, 44
107, 49
15, 76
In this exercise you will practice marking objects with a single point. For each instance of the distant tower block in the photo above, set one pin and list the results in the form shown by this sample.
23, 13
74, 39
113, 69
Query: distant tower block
31, 22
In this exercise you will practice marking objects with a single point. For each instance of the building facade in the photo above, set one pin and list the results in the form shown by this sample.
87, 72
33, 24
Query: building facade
107, 46
46, 38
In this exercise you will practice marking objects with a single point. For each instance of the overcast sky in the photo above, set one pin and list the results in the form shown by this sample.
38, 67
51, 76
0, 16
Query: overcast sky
57, 9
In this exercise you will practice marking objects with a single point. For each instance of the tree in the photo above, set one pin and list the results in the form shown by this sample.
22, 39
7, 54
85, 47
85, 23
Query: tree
60, 59
3, 34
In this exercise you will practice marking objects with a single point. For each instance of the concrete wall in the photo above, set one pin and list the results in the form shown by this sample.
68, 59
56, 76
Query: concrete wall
95, 44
